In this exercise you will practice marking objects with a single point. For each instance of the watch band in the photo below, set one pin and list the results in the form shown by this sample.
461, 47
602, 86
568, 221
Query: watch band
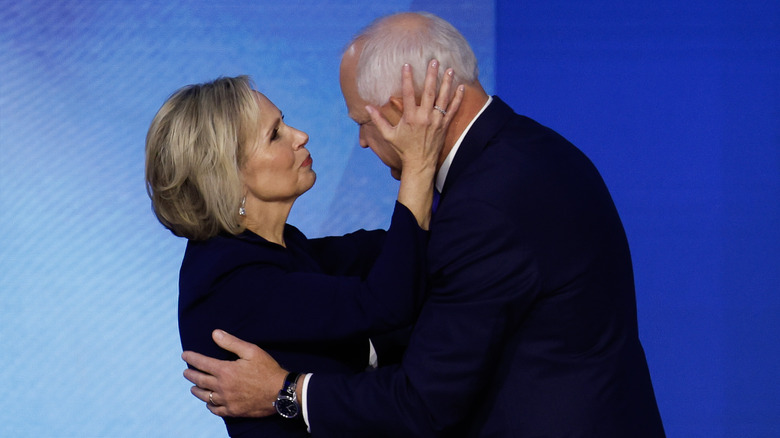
290, 382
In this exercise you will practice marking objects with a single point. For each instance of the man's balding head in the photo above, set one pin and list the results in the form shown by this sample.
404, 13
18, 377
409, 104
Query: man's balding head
407, 38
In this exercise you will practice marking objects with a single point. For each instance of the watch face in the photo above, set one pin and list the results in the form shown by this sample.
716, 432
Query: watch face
286, 407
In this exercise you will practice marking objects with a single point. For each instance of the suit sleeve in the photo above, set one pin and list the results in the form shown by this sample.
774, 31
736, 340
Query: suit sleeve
257, 301
483, 281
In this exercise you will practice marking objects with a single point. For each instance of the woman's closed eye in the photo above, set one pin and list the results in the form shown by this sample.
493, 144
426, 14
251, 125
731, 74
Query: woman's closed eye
275, 133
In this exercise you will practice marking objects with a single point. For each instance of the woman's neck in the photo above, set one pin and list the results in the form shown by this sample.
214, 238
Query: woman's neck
267, 219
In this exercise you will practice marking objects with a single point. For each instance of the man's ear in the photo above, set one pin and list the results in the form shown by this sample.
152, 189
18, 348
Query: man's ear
397, 103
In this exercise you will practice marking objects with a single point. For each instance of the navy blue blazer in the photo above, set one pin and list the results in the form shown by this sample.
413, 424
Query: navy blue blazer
530, 327
312, 304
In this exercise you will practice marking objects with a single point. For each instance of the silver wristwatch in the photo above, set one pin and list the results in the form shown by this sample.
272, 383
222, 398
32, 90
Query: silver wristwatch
286, 403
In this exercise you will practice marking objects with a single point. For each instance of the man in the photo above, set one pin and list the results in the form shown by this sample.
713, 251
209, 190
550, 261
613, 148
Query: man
529, 328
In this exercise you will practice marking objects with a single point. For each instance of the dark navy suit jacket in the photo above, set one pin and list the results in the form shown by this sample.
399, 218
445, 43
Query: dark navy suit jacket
312, 304
530, 327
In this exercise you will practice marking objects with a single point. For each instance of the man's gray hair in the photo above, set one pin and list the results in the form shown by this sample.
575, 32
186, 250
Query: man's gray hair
387, 47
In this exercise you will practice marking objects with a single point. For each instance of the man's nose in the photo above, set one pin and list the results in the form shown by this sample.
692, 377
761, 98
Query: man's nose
362, 139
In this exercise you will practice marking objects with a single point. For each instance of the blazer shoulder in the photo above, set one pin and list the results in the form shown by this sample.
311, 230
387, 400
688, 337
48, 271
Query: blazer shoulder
206, 261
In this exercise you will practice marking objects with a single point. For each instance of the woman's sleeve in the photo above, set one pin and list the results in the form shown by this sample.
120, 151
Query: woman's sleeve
352, 254
267, 304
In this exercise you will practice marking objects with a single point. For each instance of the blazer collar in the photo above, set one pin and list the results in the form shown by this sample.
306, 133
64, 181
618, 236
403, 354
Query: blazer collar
484, 128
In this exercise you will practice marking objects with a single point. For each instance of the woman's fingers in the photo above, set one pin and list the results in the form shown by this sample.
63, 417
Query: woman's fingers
429, 85
407, 87
444, 91
443, 97
382, 125
436, 100
454, 104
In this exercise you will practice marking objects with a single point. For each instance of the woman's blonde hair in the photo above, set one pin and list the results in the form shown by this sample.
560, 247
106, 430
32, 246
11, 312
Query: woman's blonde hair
195, 148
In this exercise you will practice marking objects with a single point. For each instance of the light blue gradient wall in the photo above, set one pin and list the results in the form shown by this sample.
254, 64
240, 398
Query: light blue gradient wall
88, 279
675, 101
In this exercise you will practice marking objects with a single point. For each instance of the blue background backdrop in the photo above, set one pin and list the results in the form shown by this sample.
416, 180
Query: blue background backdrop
677, 103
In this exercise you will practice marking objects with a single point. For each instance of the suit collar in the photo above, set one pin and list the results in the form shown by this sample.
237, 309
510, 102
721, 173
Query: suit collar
441, 176
478, 136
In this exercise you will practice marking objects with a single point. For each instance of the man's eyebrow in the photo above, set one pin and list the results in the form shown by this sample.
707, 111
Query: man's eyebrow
361, 122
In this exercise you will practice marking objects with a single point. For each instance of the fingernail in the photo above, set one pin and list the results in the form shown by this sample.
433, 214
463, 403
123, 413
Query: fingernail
219, 334
369, 109
434, 63
407, 67
450, 72
462, 88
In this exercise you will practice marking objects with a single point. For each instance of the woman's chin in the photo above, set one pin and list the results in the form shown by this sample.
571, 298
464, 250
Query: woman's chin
310, 184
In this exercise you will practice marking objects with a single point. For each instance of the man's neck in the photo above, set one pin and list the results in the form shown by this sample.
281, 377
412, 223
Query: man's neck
474, 99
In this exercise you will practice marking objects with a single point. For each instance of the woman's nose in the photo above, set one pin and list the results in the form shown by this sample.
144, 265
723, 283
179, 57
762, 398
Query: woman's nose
302, 137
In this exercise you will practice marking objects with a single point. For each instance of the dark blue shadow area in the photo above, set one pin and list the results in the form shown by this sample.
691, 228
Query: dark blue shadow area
677, 104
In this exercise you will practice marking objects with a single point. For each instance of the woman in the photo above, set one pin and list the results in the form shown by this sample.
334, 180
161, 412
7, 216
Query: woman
223, 170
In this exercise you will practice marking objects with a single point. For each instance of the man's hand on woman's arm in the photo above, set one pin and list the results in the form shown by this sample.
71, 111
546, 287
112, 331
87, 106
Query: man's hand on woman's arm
246, 387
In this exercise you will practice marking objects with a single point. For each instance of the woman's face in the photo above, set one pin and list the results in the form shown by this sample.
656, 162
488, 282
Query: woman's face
278, 167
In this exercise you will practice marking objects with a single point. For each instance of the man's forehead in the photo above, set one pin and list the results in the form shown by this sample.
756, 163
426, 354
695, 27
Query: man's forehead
356, 107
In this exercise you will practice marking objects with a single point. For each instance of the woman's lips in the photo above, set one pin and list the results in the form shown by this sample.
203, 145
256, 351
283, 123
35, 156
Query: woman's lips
307, 162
